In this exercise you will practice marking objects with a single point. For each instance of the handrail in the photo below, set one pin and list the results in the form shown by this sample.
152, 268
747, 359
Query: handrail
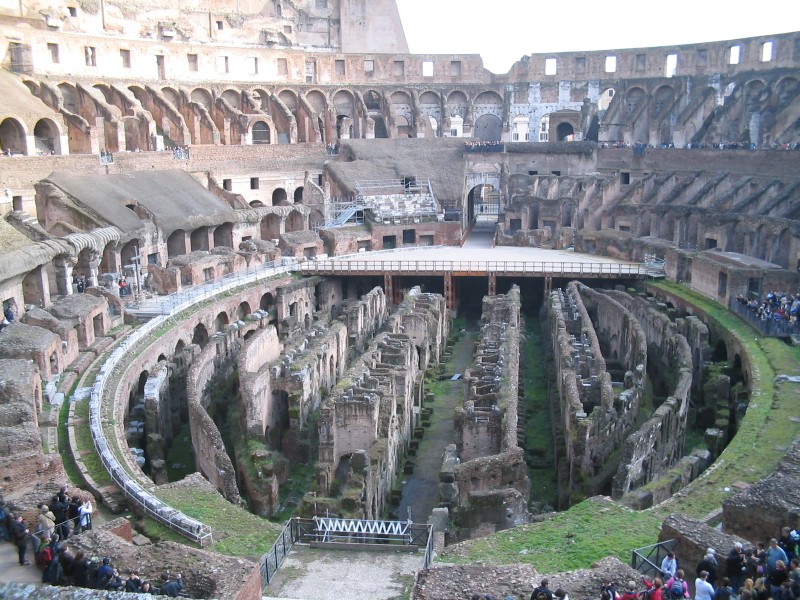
355, 265
149, 504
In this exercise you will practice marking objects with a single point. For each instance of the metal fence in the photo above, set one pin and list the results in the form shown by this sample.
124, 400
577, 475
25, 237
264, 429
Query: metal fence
331, 530
342, 265
647, 560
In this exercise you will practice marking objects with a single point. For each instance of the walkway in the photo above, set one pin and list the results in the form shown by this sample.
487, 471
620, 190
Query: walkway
321, 574
421, 489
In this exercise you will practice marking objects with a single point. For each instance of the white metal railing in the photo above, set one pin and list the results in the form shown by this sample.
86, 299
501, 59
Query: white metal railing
149, 504
532, 268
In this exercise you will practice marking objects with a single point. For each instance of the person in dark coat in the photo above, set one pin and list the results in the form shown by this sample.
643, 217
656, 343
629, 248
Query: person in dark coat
708, 564
19, 533
80, 570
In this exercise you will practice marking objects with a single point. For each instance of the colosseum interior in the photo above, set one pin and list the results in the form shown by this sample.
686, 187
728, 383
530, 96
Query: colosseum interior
263, 255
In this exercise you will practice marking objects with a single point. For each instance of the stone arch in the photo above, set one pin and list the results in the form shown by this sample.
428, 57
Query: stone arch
786, 90
127, 252
401, 108
662, 98
260, 133
280, 197
633, 98
404, 129
243, 310
199, 239
271, 227
135, 133
256, 203
267, 302
71, 98
289, 98
488, 128
223, 235
344, 104
317, 101
200, 335
172, 95
12, 136
137, 393
756, 93
47, 136
179, 346
108, 94
232, 97
429, 97
221, 321
176, 243
295, 221
298, 195
202, 96
565, 132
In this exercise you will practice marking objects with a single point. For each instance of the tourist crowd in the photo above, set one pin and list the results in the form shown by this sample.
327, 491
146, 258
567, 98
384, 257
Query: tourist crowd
59, 520
714, 146
767, 571
778, 306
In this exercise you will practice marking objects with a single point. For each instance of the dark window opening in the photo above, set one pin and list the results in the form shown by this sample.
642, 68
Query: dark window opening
73, 12
254, 183
625, 178
389, 242
219, 24
556, 173
711, 243
227, 185
533, 172
722, 287
16, 202
409, 236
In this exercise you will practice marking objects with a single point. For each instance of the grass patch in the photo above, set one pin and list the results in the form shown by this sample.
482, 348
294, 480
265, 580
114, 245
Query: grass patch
573, 539
540, 446
83, 441
63, 446
766, 431
236, 531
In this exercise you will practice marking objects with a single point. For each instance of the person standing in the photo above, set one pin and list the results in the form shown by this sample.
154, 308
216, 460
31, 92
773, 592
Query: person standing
709, 565
669, 566
19, 534
736, 565
774, 554
543, 592
702, 589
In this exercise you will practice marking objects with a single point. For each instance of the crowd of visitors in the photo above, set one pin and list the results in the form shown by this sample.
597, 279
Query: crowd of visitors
180, 152
58, 520
713, 146
481, 146
767, 571
778, 306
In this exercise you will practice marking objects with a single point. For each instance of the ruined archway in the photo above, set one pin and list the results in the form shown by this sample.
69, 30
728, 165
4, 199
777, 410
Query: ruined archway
488, 128
199, 239
280, 197
565, 132
221, 321
12, 136
271, 227
200, 336
223, 235
294, 222
261, 133
47, 137
243, 310
176, 243
298, 195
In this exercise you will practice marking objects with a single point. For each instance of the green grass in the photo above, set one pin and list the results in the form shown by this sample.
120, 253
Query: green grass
83, 441
236, 532
573, 539
766, 431
540, 447
63, 446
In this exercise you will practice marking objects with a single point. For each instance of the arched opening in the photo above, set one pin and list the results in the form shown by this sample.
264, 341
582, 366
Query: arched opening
202, 97
199, 239
565, 132
279, 197
298, 195
221, 321
233, 98
267, 302
294, 222
273, 435
176, 243
270, 227
223, 235
178, 348
12, 137
126, 254
46, 137
404, 130
483, 204
243, 310
200, 336
261, 133
315, 220
256, 203
488, 128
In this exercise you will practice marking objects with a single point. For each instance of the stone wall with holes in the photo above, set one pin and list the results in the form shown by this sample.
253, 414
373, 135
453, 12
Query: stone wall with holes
484, 478
657, 445
366, 422
591, 419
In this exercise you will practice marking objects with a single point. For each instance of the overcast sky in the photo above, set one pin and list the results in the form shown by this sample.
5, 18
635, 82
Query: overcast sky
502, 31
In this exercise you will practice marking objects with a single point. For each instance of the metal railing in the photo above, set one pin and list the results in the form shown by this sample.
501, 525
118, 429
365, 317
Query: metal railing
165, 514
530, 268
770, 327
647, 560
330, 530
